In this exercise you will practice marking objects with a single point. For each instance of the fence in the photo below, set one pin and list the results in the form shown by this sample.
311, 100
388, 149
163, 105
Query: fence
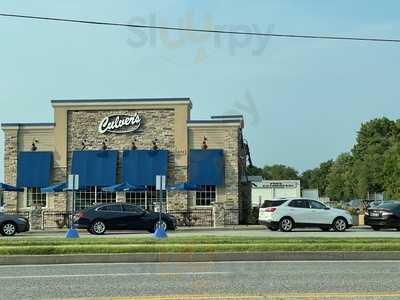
200, 217
54, 220
24, 214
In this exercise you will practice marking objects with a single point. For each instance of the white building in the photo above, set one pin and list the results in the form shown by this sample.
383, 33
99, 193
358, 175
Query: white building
272, 189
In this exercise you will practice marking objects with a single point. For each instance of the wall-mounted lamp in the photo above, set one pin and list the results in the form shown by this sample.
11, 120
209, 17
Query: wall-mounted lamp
104, 145
84, 144
34, 147
155, 147
134, 144
204, 146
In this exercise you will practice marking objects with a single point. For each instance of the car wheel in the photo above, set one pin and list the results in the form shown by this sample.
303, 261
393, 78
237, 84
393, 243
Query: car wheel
340, 225
376, 228
273, 228
325, 229
98, 227
286, 224
8, 229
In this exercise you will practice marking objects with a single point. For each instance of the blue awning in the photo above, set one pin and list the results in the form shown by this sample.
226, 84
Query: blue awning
95, 168
34, 169
183, 186
55, 188
140, 167
9, 188
207, 167
124, 187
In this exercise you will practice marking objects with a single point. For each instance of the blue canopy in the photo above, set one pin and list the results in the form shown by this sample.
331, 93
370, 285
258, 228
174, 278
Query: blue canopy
183, 186
207, 167
34, 169
95, 168
124, 187
9, 188
140, 167
55, 188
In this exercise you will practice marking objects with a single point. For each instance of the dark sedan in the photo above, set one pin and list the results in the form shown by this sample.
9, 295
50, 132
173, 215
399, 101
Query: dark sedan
385, 215
12, 224
102, 217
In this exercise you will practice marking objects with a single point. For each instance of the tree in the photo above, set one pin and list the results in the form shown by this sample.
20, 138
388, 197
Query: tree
374, 139
340, 183
280, 172
392, 172
317, 178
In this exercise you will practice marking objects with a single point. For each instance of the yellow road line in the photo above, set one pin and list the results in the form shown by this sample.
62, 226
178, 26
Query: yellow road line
341, 295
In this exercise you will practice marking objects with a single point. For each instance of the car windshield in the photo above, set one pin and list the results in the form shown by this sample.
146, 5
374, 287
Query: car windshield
272, 203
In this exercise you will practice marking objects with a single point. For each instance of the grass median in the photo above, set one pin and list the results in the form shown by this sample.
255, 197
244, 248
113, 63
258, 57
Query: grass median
110, 245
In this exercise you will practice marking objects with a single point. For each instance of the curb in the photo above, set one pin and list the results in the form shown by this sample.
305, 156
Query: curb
199, 257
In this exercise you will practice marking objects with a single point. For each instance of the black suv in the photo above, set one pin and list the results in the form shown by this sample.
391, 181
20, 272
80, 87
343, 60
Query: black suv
385, 215
102, 217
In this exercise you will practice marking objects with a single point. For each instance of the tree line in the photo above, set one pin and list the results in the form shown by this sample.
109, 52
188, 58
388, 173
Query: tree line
371, 166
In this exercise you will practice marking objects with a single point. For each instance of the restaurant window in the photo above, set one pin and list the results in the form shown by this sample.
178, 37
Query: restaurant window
91, 196
137, 198
206, 195
85, 198
36, 198
153, 198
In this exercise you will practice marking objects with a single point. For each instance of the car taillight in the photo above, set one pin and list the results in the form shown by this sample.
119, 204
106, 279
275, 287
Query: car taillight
79, 215
270, 209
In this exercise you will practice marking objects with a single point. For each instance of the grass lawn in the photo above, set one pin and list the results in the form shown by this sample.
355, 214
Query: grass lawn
105, 245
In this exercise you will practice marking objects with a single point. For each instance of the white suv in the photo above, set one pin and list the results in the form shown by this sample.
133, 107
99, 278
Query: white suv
286, 214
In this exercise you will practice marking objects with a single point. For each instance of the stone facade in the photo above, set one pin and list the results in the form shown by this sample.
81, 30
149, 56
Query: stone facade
157, 123
10, 167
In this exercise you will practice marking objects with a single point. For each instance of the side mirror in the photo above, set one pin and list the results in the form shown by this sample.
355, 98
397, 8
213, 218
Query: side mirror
327, 208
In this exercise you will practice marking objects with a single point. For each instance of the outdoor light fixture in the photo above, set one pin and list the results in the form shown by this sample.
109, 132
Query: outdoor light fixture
134, 144
155, 147
104, 145
205, 146
84, 143
34, 147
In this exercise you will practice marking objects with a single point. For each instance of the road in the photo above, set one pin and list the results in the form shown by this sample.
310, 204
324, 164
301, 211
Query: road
241, 280
257, 232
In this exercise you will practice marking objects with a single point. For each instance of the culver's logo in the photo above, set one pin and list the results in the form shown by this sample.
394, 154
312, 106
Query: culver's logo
120, 123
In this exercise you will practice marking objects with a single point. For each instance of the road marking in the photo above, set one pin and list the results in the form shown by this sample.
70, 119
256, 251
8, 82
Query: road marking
113, 275
343, 295
205, 263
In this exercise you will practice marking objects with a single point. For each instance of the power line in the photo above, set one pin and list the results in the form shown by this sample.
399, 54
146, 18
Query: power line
322, 37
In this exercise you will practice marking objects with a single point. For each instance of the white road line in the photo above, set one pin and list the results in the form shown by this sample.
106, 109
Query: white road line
203, 263
113, 275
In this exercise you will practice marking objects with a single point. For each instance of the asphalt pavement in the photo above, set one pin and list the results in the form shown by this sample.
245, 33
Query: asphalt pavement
239, 280
241, 231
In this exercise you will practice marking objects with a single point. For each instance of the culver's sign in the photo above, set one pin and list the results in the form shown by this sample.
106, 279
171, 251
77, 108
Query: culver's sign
120, 123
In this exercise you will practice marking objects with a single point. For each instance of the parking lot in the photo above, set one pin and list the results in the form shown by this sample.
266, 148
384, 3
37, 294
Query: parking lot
256, 231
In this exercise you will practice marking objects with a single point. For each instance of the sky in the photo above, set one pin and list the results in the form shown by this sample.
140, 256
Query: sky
303, 100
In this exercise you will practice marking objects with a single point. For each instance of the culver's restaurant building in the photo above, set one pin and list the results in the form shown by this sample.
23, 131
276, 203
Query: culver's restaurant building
107, 142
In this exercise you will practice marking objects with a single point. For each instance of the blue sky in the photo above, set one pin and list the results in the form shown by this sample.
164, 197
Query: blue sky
303, 100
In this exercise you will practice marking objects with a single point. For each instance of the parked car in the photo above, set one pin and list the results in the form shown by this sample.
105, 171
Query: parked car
12, 224
102, 217
384, 215
286, 214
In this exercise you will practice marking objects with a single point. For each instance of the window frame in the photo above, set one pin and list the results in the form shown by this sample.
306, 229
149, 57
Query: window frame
29, 201
211, 200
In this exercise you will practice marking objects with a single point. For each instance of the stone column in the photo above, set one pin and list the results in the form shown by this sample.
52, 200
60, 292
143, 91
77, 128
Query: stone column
36, 218
10, 167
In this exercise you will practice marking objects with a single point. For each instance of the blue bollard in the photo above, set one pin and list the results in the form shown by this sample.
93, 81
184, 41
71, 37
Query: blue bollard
160, 233
72, 233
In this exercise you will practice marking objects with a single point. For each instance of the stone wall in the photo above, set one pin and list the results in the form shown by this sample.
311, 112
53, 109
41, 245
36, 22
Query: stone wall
10, 167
